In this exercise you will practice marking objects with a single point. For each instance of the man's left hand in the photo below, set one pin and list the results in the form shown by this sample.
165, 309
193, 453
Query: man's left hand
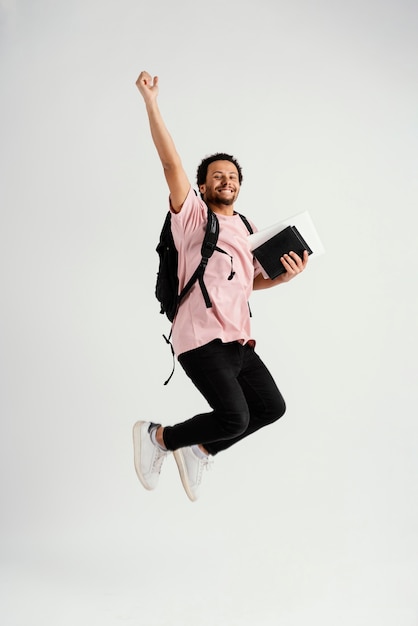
293, 265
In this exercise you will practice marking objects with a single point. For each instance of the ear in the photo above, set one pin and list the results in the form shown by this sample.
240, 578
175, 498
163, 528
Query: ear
202, 189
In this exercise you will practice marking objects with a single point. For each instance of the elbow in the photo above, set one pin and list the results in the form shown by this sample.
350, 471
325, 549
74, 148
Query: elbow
171, 163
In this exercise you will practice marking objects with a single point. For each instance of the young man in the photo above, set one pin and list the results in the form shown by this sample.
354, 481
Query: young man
214, 345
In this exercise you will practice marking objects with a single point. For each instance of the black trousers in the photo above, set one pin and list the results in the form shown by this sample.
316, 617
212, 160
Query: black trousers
239, 389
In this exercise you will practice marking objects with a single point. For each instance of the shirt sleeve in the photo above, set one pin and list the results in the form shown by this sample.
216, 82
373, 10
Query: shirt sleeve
191, 215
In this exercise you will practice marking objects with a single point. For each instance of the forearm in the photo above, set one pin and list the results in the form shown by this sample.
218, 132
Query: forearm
265, 283
161, 137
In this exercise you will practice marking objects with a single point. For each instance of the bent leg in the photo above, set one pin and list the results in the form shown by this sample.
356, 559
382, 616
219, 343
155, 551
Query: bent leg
214, 369
264, 400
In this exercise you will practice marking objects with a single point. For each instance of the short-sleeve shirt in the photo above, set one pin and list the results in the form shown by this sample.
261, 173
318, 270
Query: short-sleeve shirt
229, 317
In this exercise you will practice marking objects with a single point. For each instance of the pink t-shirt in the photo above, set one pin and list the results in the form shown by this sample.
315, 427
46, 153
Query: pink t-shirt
228, 319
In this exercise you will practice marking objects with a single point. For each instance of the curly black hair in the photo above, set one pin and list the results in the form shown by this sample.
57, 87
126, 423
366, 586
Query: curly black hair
202, 170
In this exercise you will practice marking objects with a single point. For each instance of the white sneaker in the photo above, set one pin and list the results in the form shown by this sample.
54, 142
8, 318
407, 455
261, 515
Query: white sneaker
147, 456
191, 468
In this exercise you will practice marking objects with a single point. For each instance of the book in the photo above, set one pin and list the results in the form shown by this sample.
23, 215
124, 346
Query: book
303, 224
270, 252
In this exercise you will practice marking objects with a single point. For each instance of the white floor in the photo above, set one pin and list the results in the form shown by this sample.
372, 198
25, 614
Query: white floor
234, 558
85, 589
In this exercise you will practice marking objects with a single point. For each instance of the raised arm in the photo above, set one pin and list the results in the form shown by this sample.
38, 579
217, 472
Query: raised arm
176, 177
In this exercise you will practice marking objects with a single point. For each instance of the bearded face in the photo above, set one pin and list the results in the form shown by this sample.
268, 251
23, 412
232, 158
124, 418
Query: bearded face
221, 187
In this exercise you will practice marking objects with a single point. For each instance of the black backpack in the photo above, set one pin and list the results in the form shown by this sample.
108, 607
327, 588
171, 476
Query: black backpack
167, 285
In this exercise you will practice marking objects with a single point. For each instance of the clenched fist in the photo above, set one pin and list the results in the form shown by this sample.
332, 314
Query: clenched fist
147, 86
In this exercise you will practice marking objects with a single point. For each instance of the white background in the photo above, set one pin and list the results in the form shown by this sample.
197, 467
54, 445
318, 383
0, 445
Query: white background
312, 521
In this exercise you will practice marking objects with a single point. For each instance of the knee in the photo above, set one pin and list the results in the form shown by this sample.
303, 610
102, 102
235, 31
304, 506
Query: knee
276, 410
235, 423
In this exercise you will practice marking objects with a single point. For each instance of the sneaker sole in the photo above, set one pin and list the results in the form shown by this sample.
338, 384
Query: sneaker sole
183, 475
137, 437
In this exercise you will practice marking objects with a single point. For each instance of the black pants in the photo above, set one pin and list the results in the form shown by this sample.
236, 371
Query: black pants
239, 389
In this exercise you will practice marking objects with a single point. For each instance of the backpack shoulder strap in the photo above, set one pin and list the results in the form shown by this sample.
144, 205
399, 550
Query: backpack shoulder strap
208, 246
211, 235
247, 223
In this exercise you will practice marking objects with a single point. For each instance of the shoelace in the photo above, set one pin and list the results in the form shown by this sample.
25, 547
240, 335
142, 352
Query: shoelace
204, 464
159, 457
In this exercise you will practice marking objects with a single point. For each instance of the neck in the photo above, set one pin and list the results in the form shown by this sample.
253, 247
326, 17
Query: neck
221, 209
